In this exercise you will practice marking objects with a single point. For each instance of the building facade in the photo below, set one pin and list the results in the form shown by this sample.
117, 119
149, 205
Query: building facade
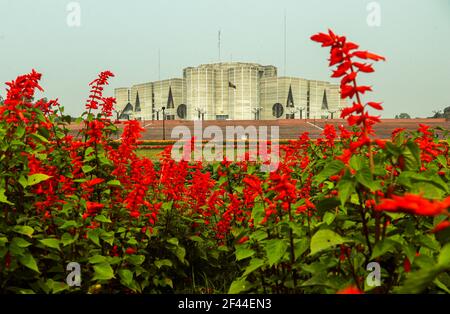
229, 91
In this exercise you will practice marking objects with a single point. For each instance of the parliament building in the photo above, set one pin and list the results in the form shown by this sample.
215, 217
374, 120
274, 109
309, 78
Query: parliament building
229, 91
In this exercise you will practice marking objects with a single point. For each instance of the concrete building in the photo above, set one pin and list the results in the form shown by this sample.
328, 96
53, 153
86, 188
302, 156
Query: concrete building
232, 90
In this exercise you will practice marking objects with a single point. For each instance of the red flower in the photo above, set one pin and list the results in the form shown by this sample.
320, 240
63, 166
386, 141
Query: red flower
324, 39
342, 55
350, 290
441, 226
130, 251
375, 105
407, 265
364, 67
243, 239
414, 204
307, 206
381, 143
96, 96
92, 206
94, 181
368, 55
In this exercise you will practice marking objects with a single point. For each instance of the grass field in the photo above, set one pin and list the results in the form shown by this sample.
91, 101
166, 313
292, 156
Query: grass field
151, 153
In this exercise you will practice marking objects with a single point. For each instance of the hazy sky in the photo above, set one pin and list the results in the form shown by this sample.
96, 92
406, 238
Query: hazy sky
124, 37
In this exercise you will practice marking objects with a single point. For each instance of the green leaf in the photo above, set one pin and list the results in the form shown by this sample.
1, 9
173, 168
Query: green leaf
255, 263
51, 243
195, 238
382, 247
328, 218
108, 237
167, 282
163, 262
332, 168
25, 230
88, 151
102, 218
69, 224
93, 236
358, 162
300, 247
103, 271
444, 256
327, 204
56, 286
238, 286
364, 177
173, 241
20, 242
37, 178
418, 281
87, 168
412, 156
3, 198
67, 239
325, 239
258, 213
345, 188
20, 131
28, 260
319, 279
136, 259
440, 285
3, 241
97, 259
275, 250
114, 182
132, 241
442, 160
180, 252
126, 276
23, 181
394, 150
38, 137
429, 241
258, 235
243, 253
427, 190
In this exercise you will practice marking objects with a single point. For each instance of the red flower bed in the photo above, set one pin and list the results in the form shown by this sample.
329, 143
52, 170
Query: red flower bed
333, 207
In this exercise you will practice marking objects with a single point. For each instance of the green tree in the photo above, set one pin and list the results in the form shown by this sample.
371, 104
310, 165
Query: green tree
442, 113
403, 115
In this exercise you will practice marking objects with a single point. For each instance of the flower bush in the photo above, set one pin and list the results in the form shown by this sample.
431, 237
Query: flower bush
333, 207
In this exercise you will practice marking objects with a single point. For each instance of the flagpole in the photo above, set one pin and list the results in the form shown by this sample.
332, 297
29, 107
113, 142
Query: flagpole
219, 46
285, 42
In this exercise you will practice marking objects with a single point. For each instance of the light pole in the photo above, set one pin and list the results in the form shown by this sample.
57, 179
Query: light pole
164, 121
157, 113
257, 111
300, 109
201, 113
332, 113
292, 111
115, 111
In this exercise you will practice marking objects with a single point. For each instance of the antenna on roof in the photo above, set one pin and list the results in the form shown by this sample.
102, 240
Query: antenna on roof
159, 64
285, 42
219, 45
